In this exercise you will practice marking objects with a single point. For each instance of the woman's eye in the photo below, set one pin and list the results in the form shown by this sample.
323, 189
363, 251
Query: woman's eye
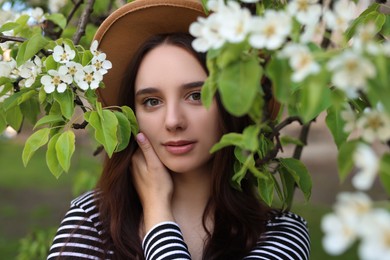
151, 102
195, 96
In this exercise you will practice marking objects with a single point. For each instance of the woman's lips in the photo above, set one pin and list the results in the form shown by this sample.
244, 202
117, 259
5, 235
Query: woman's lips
179, 147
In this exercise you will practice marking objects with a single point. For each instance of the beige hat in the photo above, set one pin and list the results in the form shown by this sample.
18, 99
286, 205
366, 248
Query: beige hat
124, 31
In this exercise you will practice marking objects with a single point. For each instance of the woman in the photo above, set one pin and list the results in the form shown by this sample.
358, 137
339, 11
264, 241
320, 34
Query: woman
165, 196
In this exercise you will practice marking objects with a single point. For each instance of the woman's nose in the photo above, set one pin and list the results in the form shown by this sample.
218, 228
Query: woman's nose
175, 118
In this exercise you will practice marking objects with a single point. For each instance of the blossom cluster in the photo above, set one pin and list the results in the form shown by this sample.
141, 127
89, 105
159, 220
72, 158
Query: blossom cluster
68, 71
355, 218
231, 23
272, 31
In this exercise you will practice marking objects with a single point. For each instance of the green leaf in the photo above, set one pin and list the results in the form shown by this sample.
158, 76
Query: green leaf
49, 120
345, 159
300, 174
58, 19
105, 129
227, 140
240, 174
51, 157
8, 26
384, 172
230, 53
372, 9
281, 85
66, 101
316, 97
265, 188
285, 140
14, 117
3, 122
87, 57
33, 143
208, 91
65, 147
288, 184
50, 63
30, 110
250, 138
132, 119
238, 84
32, 46
336, 125
124, 131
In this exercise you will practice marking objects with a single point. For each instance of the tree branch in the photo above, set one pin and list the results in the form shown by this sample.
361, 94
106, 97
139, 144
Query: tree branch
4, 38
303, 137
286, 122
75, 7
83, 22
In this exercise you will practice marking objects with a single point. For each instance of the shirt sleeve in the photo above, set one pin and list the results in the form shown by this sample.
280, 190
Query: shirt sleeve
77, 237
287, 237
165, 241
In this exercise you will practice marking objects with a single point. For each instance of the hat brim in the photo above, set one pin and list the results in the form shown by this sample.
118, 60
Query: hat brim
126, 29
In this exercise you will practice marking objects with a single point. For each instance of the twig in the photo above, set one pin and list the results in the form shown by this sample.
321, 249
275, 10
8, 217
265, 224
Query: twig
98, 150
80, 126
83, 22
75, 7
303, 138
4, 38
286, 122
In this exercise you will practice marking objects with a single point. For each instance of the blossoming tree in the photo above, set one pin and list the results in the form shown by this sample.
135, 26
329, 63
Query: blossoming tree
313, 57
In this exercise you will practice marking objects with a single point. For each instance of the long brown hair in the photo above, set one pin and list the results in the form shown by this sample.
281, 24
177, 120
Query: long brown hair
239, 216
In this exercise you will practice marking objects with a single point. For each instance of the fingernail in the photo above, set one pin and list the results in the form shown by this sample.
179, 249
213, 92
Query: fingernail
141, 137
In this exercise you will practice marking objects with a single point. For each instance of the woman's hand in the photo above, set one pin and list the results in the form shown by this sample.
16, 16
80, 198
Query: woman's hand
153, 183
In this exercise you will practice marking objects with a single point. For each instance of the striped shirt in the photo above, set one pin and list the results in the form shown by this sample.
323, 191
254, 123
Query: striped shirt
286, 237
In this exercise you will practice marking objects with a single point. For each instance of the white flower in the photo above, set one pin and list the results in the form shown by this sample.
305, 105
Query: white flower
339, 234
349, 117
364, 39
94, 48
206, 33
375, 124
5, 68
341, 228
368, 165
9, 132
55, 5
271, 30
338, 19
235, 22
63, 54
307, 12
37, 15
350, 72
301, 61
215, 5
88, 78
250, 1
6, 16
56, 80
375, 234
312, 32
101, 64
353, 206
30, 71
73, 67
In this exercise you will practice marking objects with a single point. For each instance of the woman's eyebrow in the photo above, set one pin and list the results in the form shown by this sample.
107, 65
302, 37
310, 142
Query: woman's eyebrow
151, 90
194, 84
145, 91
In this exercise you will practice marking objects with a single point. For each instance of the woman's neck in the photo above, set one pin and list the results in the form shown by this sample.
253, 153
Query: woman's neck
191, 193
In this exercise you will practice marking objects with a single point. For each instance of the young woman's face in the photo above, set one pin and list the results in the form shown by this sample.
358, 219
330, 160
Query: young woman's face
169, 110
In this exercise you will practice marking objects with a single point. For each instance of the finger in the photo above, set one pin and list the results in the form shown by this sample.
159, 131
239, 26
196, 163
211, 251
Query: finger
147, 150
